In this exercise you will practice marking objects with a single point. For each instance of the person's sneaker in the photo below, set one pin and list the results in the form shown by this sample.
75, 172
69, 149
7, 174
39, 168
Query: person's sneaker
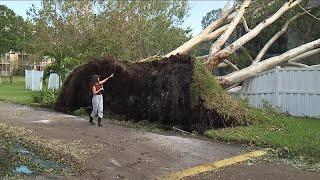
91, 121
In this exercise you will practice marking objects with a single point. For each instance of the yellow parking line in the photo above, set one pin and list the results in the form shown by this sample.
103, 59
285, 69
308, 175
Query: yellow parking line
212, 166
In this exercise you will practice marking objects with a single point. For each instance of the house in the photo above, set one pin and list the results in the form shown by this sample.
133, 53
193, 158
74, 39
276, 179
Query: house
16, 63
5, 65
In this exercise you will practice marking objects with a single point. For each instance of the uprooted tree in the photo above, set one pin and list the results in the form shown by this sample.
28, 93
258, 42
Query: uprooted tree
180, 90
224, 26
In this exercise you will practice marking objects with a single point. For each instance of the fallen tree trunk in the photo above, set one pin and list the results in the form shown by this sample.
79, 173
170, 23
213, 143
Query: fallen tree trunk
179, 91
255, 69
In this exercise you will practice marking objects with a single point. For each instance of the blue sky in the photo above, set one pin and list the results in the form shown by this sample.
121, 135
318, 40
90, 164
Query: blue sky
198, 10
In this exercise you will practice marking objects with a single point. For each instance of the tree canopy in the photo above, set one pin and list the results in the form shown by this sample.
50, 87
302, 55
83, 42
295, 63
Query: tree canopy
14, 31
124, 29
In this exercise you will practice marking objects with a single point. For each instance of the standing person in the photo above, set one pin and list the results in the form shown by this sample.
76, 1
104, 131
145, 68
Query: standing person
97, 99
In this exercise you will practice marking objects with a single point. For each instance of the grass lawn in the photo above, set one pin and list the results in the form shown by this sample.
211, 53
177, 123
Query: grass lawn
292, 137
15, 92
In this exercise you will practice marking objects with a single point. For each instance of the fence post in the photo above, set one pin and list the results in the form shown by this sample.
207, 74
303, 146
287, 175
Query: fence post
277, 86
26, 78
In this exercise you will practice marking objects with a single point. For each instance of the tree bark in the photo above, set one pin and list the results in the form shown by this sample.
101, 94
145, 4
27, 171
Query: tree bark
217, 58
216, 46
245, 25
305, 55
225, 62
255, 69
294, 64
205, 35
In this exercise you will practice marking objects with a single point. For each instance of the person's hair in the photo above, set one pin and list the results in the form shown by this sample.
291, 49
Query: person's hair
94, 79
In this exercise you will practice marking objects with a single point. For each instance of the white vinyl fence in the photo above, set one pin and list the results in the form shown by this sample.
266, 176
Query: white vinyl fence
293, 90
33, 80
54, 81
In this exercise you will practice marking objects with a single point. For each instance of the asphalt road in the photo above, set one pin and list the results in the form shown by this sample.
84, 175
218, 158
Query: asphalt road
127, 153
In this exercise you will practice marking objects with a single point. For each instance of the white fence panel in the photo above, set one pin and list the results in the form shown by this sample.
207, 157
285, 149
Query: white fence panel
293, 90
53, 81
33, 80
28, 79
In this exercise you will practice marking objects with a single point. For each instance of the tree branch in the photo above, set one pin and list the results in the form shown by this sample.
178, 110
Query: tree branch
225, 63
216, 46
215, 33
317, 65
224, 15
231, 64
275, 37
226, 52
255, 69
305, 55
204, 35
294, 64
233, 86
245, 25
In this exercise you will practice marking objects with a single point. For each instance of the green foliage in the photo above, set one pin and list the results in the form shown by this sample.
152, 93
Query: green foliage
66, 65
205, 88
210, 17
138, 29
305, 29
124, 29
70, 62
14, 31
80, 112
46, 97
241, 58
202, 49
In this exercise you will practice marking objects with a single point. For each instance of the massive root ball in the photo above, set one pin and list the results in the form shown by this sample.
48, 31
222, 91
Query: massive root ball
171, 91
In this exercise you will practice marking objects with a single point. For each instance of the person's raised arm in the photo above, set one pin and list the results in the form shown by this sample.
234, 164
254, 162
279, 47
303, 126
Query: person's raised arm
106, 79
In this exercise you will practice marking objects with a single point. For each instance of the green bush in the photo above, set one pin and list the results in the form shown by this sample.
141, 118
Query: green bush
80, 112
46, 97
